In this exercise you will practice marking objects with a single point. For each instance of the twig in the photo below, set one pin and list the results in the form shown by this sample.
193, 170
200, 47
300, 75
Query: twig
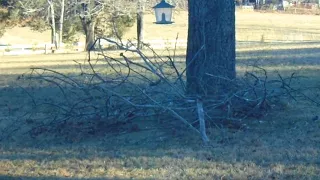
202, 122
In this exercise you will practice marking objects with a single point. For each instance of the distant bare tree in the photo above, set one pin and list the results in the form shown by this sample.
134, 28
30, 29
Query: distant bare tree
45, 9
62, 6
53, 23
140, 22
89, 11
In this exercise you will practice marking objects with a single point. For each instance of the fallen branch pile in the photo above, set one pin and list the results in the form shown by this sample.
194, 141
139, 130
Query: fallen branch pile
110, 94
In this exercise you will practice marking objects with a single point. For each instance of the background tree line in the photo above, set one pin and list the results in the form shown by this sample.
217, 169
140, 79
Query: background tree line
66, 18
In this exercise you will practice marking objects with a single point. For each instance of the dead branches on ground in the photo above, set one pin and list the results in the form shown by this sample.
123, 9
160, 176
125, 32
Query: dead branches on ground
114, 94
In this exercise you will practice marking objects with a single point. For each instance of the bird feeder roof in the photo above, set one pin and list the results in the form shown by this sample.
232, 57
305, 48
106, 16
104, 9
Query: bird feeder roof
163, 4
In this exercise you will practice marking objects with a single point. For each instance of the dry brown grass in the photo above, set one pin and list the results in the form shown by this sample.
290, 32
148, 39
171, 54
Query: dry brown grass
251, 26
283, 145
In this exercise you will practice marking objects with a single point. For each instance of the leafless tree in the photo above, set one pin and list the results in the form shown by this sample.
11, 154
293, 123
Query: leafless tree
89, 11
46, 9
140, 22
53, 23
62, 11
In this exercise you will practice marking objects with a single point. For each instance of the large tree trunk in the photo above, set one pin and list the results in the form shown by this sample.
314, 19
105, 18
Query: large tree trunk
140, 22
211, 46
88, 27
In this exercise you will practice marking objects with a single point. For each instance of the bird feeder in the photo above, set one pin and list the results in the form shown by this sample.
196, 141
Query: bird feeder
163, 12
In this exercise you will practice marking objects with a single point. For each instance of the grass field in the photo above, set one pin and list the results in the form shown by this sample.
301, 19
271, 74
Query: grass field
283, 145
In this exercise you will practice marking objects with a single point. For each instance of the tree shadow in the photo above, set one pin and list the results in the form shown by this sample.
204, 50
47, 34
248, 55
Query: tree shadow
289, 30
280, 57
261, 146
53, 178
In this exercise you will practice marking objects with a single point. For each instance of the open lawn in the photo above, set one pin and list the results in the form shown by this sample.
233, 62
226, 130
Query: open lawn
250, 27
285, 144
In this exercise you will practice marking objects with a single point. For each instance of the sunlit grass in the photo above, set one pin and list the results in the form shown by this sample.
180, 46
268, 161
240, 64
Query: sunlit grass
233, 162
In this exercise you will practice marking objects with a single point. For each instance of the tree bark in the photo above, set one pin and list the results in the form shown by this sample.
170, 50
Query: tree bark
53, 24
88, 27
211, 46
257, 6
140, 23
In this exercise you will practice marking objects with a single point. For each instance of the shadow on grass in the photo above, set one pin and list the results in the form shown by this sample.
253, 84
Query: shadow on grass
282, 30
293, 57
54, 178
266, 57
287, 150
